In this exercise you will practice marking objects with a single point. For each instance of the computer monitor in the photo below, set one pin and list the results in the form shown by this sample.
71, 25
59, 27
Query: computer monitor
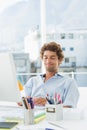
9, 90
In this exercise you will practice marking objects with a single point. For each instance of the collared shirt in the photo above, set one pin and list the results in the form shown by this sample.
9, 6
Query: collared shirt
65, 86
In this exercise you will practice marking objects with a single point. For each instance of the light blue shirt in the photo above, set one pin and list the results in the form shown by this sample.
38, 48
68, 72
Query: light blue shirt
65, 86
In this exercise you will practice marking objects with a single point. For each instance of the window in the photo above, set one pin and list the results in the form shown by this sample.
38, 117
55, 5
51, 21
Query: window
63, 48
70, 35
71, 49
62, 35
66, 60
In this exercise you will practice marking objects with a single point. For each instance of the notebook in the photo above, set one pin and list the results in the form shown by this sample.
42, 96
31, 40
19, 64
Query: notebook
59, 124
7, 125
70, 124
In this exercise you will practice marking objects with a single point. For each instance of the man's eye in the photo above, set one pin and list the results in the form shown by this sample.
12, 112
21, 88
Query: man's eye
44, 57
53, 58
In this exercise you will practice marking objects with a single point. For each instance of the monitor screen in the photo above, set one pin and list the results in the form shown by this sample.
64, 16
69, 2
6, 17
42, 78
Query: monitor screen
9, 90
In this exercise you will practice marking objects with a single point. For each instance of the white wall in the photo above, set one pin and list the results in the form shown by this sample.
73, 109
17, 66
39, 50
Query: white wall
82, 103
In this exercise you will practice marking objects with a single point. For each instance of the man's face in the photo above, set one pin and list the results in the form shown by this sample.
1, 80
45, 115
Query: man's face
51, 61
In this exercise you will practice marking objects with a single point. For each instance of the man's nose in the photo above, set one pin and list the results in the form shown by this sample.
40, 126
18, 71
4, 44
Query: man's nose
48, 60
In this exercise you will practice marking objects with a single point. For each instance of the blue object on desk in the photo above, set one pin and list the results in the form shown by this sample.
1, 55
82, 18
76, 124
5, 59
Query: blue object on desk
48, 129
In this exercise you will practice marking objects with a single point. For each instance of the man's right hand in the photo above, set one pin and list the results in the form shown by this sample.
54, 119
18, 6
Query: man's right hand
40, 101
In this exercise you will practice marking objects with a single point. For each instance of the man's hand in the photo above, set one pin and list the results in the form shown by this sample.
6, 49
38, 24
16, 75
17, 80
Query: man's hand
19, 104
40, 101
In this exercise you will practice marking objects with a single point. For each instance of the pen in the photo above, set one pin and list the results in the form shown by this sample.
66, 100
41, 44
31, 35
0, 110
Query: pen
24, 103
31, 103
55, 98
49, 101
59, 99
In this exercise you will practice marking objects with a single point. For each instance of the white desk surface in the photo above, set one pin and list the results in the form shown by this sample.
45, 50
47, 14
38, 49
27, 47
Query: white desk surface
74, 120
61, 125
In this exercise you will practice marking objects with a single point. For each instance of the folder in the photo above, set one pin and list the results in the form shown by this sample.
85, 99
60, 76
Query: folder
7, 125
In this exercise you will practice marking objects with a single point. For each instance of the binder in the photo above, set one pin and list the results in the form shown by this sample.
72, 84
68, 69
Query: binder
7, 125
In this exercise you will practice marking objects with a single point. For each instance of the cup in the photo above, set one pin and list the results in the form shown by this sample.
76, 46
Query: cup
54, 112
28, 116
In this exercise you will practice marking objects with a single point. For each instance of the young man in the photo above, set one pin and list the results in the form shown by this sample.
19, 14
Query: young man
51, 82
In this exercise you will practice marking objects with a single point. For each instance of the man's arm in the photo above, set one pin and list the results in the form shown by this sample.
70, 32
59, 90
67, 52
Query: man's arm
40, 101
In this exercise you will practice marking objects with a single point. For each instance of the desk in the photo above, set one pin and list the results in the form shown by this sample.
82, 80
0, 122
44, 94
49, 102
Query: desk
64, 125
77, 122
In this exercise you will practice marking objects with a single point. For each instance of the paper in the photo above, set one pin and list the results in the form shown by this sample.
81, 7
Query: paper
70, 124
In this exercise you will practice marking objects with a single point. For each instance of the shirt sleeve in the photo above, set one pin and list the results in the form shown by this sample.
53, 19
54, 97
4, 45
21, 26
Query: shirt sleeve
71, 95
28, 87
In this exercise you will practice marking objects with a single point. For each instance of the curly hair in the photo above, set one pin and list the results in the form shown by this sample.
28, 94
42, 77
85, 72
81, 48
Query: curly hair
52, 46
